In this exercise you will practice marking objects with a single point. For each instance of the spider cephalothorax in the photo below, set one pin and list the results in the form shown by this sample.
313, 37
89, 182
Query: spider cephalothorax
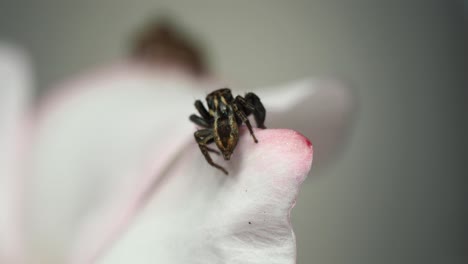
222, 120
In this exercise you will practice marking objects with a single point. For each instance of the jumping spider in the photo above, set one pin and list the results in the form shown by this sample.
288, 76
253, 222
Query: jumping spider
221, 123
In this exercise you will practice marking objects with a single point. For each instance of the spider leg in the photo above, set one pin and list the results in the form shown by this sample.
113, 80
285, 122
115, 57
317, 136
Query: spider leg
203, 137
240, 114
251, 104
202, 110
259, 111
211, 149
246, 106
200, 121
203, 123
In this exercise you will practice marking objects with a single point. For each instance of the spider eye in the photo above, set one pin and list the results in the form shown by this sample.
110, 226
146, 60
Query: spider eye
228, 97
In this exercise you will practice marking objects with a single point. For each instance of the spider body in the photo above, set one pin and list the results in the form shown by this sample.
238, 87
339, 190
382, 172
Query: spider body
222, 120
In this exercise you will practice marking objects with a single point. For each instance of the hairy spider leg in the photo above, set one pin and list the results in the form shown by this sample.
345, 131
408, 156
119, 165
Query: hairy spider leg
202, 110
242, 116
203, 137
205, 120
259, 111
203, 123
200, 121
210, 149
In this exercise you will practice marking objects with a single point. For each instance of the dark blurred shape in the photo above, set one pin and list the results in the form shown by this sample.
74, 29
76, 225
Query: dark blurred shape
161, 42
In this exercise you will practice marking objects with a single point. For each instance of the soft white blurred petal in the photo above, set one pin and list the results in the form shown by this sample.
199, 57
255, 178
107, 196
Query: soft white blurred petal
15, 89
92, 145
198, 215
115, 173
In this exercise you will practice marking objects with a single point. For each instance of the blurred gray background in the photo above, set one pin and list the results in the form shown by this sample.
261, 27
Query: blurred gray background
397, 192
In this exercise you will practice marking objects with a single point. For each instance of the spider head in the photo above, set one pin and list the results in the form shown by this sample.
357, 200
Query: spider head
219, 99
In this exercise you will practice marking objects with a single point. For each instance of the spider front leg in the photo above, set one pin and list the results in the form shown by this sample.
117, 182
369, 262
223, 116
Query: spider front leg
200, 121
258, 111
202, 110
250, 104
206, 120
204, 137
240, 114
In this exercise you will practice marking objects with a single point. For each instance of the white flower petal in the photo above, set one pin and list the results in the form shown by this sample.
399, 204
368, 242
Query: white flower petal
196, 214
92, 141
100, 146
15, 89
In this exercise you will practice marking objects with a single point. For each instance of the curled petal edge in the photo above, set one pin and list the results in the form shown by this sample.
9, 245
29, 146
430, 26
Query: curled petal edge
273, 171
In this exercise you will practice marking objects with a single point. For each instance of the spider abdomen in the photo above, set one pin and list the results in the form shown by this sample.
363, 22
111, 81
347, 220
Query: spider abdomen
226, 134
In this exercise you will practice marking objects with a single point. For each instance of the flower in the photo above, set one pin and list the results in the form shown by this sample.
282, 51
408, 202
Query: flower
111, 172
